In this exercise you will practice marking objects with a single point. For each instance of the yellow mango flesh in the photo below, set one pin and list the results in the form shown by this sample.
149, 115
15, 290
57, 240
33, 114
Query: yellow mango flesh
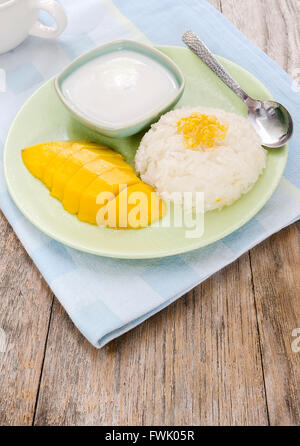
108, 183
36, 158
68, 169
91, 181
135, 207
85, 176
40, 157
56, 164
97, 148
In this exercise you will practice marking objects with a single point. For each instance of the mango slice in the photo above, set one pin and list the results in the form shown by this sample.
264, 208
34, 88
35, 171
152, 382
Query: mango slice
68, 169
109, 184
56, 163
135, 207
67, 152
37, 157
95, 183
85, 176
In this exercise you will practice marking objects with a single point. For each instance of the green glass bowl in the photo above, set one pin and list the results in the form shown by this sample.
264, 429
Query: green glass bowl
137, 125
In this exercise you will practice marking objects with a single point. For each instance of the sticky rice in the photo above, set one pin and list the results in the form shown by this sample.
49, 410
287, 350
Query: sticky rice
223, 172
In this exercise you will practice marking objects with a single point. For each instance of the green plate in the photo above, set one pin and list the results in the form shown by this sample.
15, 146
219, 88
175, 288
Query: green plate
44, 118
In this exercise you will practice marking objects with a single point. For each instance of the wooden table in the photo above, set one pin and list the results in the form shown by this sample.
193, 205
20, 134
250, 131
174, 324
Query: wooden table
220, 355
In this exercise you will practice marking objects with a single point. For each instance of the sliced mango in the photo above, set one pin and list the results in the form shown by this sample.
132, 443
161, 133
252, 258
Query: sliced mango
109, 185
95, 146
95, 183
37, 157
67, 152
135, 207
56, 163
68, 169
85, 176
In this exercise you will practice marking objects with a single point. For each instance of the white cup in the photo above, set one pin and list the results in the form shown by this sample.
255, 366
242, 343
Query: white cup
18, 19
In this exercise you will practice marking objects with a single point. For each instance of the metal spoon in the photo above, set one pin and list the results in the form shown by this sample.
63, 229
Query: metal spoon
270, 119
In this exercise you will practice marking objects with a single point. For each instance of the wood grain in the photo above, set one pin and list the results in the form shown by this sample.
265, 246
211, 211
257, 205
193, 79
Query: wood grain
221, 355
276, 275
25, 311
273, 25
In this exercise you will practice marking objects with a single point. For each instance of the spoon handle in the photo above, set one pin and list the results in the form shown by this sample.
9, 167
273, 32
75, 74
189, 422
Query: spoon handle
201, 50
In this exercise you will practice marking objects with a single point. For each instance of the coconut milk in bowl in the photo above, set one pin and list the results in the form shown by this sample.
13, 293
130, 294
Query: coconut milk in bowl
120, 88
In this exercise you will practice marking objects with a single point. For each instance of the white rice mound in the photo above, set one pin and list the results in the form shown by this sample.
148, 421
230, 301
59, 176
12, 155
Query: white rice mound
223, 174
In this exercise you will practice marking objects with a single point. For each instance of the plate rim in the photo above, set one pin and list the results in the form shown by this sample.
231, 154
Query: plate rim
141, 255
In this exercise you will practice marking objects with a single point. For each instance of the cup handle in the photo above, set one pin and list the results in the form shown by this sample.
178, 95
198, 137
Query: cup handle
57, 12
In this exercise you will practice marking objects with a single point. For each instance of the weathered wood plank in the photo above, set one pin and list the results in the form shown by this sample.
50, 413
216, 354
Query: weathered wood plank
216, 3
276, 273
272, 24
24, 316
197, 362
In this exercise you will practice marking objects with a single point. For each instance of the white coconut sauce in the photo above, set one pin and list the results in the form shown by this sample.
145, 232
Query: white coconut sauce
120, 88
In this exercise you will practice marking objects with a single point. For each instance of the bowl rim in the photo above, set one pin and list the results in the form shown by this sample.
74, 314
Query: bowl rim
116, 45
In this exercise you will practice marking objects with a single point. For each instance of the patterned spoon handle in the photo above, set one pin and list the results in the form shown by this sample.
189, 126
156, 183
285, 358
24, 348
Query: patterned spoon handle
201, 50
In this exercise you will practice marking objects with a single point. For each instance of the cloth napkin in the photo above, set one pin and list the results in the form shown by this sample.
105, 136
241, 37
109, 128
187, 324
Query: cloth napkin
106, 297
